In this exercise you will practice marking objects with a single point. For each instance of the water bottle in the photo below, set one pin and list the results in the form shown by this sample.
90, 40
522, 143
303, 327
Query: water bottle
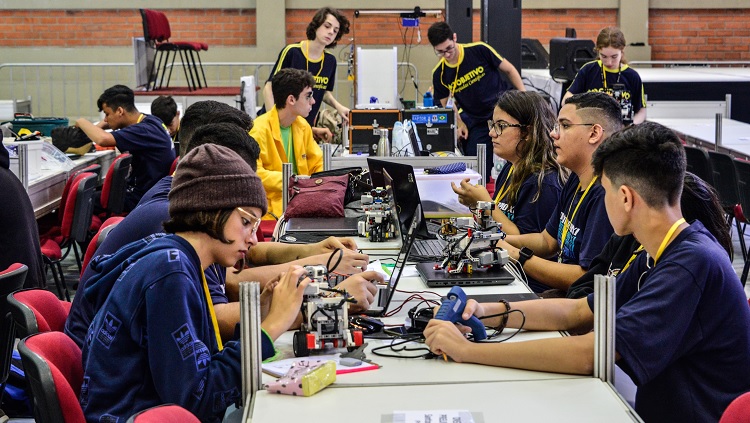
427, 99
384, 146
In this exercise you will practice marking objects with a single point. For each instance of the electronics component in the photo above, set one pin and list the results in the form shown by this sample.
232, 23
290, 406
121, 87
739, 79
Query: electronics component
473, 243
380, 218
451, 309
325, 320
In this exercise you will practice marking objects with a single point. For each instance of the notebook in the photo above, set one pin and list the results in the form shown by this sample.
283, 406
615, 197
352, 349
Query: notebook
337, 226
440, 278
384, 301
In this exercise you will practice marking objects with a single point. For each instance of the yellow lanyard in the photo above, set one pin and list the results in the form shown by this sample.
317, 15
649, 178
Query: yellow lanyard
211, 311
307, 59
570, 217
503, 191
141, 117
604, 75
635, 254
665, 241
452, 88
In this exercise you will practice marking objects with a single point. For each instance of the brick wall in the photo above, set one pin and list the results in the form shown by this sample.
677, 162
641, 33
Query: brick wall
115, 28
720, 34
700, 34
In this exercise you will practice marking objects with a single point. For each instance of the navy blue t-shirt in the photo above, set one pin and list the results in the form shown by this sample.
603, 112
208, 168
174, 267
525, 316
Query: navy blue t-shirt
591, 78
477, 85
530, 217
683, 330
323, 70
153, 153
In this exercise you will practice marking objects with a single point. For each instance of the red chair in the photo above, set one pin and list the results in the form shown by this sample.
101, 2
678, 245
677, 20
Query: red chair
157, 33
37, 310
11, 279
115, 184
77, 212
168, 413
738, 410
97, 240
54, 369
174, 165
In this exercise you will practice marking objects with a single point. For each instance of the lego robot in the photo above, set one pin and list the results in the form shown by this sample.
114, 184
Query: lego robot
325, 319
380, 223
473, 241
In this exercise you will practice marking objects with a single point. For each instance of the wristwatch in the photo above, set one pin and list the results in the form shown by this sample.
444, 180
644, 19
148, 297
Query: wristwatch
524, 254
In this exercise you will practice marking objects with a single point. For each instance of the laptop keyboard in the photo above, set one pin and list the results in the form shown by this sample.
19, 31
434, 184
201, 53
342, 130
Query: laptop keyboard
430, 248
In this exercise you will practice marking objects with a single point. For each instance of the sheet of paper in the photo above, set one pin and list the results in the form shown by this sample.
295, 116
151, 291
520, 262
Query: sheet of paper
281, 367
433, 416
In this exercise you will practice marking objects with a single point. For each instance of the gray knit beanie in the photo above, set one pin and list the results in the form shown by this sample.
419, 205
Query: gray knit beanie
213, 177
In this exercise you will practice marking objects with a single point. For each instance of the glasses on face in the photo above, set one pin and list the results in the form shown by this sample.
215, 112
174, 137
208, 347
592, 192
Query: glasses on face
308, 96
499, 126
249, 219
446, 51
565, 126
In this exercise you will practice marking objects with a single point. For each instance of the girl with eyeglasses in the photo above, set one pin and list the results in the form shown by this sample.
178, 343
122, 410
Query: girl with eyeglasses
528, 186
612, 75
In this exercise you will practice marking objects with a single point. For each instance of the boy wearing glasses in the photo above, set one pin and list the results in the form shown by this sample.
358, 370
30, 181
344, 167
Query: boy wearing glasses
682, 329
578, 228
468, 78
285, 136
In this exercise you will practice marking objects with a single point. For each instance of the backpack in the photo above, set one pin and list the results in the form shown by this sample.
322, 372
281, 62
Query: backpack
330, 118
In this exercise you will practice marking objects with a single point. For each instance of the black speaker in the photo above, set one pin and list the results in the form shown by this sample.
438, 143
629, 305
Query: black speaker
501, 28
567, 55
533, 54
458, 14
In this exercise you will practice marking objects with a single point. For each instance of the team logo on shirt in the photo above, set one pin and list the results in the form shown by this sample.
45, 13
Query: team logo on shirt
625, 94
173, 255
508, 211
469, 78
108, 330
568, 250
321, 83
184, 340
85, 391
202, 356
108, 418
223, 399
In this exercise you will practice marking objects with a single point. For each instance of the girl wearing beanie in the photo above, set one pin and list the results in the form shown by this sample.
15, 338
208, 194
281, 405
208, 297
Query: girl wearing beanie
155, 340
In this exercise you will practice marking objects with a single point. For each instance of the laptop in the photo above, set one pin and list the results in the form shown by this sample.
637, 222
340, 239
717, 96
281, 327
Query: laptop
336, 226
436, 278
386, 295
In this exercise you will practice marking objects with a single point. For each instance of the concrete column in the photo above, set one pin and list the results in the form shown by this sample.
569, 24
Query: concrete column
633, 21
270, 18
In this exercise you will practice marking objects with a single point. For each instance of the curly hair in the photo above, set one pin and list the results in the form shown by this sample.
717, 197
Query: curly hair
319, 19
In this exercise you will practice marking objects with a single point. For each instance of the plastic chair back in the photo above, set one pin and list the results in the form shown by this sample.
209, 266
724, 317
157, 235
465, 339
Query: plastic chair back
699, 164
97, 240
738, 410
54, 369
725, 179
115, 184
168, 413
11, 279
79, 208
37, 310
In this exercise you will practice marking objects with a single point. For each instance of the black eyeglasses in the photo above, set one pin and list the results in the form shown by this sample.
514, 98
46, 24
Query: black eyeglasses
564, 126
499, 126
447, 50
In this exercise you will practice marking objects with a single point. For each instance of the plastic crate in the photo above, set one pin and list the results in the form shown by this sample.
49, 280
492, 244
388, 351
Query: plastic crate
41, 124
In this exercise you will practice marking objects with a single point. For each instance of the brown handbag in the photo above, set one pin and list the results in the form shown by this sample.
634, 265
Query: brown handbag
317, 197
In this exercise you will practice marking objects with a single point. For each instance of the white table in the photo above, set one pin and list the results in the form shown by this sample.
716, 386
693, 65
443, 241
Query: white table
567, 400
45, 192
735, 135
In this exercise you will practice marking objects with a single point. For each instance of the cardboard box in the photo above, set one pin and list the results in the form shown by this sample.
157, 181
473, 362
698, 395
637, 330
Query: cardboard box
437, 196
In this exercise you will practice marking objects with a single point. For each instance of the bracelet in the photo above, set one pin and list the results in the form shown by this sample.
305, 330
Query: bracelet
504, 322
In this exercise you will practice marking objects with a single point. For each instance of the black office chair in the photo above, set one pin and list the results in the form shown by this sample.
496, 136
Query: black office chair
742, 211
725, 181
699, 164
